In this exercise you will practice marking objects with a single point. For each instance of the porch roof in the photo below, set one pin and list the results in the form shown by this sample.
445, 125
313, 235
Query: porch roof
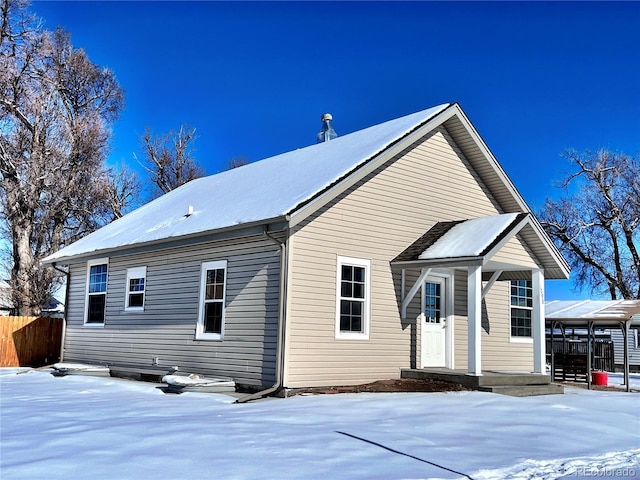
475, 241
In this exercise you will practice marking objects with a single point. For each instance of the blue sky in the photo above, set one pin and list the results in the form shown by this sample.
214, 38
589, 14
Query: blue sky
535, 78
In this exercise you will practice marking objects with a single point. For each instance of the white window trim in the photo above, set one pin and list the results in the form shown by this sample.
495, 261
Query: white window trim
91, 263
135, 272
357, 262
519, 339
200, 333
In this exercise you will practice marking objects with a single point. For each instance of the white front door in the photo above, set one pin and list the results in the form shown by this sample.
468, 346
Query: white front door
434, 325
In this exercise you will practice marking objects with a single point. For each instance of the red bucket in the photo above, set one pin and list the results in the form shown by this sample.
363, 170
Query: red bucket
599, 378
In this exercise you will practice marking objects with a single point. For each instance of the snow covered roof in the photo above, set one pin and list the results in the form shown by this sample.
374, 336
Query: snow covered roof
475, 237
470, 238
591, 310
260, 191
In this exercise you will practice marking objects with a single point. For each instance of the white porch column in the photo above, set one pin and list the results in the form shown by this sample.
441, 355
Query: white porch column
538, 321
474, 314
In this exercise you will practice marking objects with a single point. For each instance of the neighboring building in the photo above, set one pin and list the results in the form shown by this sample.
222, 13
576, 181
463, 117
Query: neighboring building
53, 309
403, 245
6, 304
633, 346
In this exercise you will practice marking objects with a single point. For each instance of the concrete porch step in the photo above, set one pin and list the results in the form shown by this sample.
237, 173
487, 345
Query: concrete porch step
524, 390
507, 383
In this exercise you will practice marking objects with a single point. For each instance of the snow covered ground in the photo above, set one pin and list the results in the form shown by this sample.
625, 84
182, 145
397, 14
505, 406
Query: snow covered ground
104, 428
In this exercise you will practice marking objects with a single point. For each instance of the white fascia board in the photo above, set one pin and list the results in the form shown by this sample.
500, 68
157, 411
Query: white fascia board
370, 165
546, 240
512, 233
473, 133
439, 263
493, 162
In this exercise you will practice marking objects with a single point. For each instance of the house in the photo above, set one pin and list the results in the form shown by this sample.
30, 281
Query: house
633, 344
403, 245
54, 308
6, 303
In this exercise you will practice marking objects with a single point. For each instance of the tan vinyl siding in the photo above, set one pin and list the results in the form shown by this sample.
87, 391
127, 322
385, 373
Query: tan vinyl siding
516, 253
461, 324
499, 352
166, 327
374, 220
493, 176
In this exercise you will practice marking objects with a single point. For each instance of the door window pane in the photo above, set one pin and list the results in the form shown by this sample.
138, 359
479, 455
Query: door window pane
432, 300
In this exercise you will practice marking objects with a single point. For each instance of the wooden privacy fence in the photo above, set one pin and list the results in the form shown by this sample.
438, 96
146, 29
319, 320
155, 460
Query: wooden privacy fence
30, 341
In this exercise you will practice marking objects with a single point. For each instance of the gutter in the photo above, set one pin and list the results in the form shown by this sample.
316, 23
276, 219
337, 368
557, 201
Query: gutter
282, 310
197, 237
66, 301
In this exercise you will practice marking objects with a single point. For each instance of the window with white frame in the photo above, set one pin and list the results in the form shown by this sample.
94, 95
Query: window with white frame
521, 308
136, 282
353, 291
97, 273
213, 281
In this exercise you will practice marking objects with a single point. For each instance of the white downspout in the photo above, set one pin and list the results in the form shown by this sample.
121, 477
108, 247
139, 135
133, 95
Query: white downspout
281, 322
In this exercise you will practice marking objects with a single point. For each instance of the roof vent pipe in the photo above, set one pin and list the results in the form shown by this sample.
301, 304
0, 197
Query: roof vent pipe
326, 132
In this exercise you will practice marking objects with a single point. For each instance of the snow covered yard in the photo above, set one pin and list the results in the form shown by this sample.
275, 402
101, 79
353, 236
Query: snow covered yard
104, 428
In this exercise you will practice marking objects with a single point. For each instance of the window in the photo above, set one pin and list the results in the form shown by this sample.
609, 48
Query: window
521, 308
352, 308
136, 280
97, 271
212, 300
432, 301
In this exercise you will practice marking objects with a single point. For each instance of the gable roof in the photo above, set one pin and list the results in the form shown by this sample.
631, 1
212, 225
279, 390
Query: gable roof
476, 241
291, 186
475, 237
263, 190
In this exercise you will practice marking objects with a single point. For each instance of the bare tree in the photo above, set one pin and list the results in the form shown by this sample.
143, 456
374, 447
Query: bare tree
169, 160
595, 224
122, 191
237, 162
56, 107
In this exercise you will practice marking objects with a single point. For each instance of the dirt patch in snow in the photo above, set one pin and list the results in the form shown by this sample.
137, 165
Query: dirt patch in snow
400, 385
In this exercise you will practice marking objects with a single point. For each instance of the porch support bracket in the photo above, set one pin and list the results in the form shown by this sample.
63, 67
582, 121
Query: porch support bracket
490, 283
414, 289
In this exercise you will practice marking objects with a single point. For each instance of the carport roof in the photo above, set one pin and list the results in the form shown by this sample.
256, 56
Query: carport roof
580, 312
